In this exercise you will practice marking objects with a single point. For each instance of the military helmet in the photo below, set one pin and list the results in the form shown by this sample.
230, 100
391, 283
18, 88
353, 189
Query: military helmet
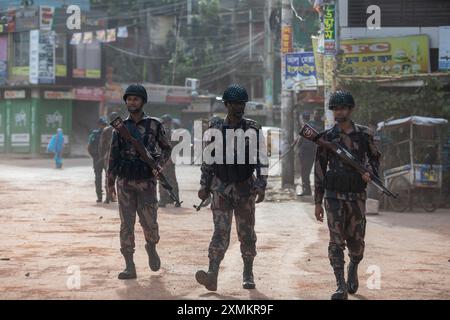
136, 90
166, 117
341, 98
113, 116
235, 93
102, 121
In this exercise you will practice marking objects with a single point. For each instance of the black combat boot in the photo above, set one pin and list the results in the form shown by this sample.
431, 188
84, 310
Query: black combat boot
352, 278
248, 281
341, 291
209, 279
153, 259
306, 191
130, 269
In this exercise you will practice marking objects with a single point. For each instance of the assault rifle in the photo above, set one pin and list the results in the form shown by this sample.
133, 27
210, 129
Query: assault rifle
145, 155
309, 133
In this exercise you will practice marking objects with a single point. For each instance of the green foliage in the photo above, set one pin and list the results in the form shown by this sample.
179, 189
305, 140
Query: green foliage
378, 103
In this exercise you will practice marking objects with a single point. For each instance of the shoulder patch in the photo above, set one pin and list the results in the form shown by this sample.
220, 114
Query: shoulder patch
158, 120
215, 123
365, 129
253, 124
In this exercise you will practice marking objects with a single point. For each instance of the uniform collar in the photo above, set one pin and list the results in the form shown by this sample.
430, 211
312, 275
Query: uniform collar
238, 125
144, 117
336, 129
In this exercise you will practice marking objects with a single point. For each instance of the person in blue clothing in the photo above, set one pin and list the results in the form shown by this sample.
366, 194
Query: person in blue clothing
56, 146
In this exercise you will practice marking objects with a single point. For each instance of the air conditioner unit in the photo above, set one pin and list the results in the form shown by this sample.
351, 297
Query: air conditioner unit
192, 84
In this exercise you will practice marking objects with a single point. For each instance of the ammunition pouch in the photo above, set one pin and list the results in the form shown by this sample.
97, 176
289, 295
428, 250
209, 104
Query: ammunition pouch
232, 173
344, 181
134, 169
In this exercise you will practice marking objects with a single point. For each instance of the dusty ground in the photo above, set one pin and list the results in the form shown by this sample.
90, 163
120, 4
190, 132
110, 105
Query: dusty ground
51, 226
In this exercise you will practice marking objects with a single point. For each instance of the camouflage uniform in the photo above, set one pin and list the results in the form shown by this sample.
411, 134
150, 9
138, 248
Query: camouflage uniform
170, 174
136, 185
233, 196
344, 191
104, 150
307, 152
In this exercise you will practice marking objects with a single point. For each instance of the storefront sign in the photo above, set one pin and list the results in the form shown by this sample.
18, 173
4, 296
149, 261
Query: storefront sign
393, 55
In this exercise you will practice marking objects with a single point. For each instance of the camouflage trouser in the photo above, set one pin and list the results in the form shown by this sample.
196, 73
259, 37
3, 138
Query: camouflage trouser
137, 196
240, 202
169, 173
347, 226
98, 170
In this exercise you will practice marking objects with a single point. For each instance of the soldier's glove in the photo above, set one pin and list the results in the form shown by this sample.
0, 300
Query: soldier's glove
203, 193
112, 185
259, 189
260, 195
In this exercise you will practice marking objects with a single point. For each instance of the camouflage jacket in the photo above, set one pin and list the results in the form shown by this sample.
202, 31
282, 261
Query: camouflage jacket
328, 166
260, 166
151, 132
104, 146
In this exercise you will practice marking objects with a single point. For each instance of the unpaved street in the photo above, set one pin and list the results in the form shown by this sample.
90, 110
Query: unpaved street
51, 227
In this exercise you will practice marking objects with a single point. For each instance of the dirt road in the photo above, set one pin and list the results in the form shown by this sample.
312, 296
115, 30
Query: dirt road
57, 243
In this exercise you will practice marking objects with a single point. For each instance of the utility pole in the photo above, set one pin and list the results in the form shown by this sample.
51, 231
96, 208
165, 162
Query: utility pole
287, 114
269, 57
234, 34
189, 12
250, 34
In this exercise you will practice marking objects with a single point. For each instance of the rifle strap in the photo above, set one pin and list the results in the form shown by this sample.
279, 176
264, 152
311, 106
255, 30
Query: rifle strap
146, 133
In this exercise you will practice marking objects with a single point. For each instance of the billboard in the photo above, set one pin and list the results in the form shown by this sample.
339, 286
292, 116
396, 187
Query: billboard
384, 56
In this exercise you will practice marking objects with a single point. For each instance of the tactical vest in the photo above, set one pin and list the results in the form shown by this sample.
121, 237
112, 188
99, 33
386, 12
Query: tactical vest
341, 177
130, 165
233, 173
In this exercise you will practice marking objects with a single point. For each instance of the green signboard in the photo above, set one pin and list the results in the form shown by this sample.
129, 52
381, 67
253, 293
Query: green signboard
19, 116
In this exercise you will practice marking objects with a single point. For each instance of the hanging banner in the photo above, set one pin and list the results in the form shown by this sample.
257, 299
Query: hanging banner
384, 56
46, 14
87, 38
34, 57
76, 38
42, 57
122, 32
300, 71
47, 57
111, 35
100, 35
318, 60
444, 48
286, 39
11, 20
3, 59
329, 29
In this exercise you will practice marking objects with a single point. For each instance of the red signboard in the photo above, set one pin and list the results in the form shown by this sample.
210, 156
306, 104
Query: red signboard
88, 94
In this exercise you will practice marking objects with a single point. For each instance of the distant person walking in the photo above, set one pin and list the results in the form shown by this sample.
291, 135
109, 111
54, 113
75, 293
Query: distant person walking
56, 146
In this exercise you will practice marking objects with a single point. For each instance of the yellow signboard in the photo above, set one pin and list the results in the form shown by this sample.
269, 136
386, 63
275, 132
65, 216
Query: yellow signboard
61, 70
384, 56
20, 71
93, 73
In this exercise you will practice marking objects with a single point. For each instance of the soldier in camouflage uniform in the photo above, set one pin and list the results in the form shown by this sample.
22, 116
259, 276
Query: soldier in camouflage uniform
104, 149
235, 189
136, 182
344, 190
169, 168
